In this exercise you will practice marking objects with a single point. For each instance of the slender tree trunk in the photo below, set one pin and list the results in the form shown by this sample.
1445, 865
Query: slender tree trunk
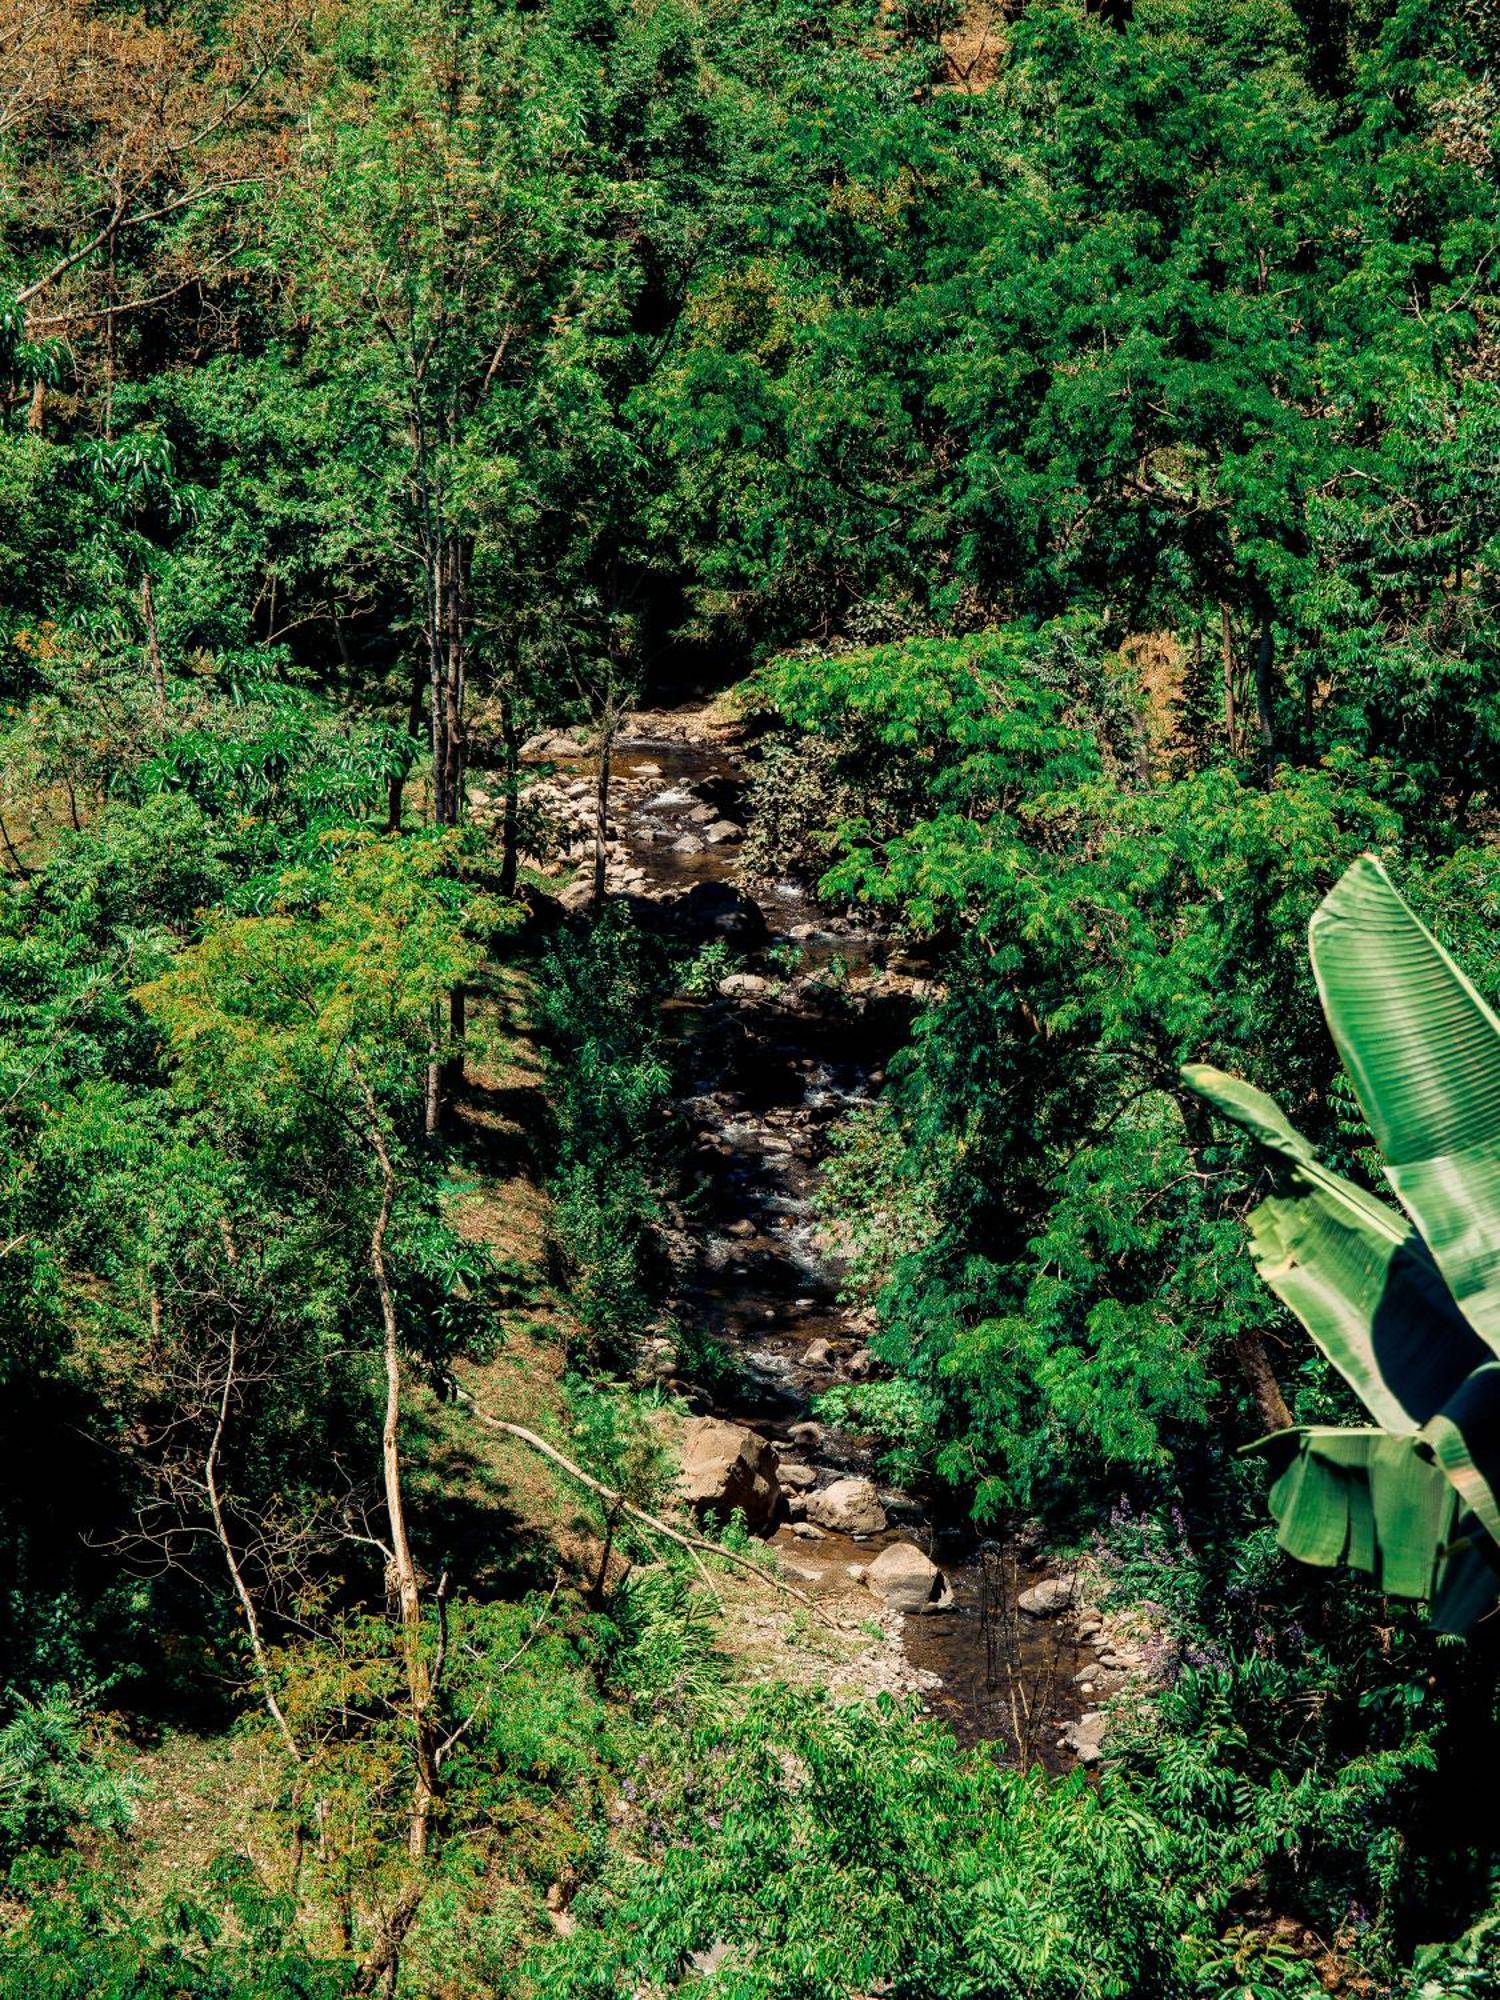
241, 1589
510, 826
419, 1684
10, 847
396, 790
1227, 641
436, 674
454, 619
36, 412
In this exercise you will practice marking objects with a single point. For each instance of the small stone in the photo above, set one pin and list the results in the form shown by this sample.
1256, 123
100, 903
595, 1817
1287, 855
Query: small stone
805, 1433
743, 1227
817, 1354
859, 1364
688, 844
807, 1532
796, 1478
722, 830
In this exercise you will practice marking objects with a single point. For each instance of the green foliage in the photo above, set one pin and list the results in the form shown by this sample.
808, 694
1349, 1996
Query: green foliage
85, 1940
53, 1778
610, 1086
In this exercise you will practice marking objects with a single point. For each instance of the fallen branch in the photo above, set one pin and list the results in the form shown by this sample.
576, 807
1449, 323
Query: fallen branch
692, 1543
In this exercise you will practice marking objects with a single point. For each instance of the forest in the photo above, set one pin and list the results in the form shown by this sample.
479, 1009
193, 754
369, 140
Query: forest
749, 909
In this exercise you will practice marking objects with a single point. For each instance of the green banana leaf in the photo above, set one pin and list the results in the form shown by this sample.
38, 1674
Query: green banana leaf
1354, 1271
1379, 1504
1422, 1049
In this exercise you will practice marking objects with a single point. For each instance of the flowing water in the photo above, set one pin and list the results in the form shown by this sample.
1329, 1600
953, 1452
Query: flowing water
766, 1075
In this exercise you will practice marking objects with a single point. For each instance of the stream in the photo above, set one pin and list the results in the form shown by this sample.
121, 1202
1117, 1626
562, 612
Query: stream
815, 1008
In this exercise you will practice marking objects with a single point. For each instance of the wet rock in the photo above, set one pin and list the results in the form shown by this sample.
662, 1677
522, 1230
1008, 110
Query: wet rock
1085, 1737
859, 1364
806, 1532
722, 830
701, 816
848, 1507
744, 1226
689, 843
720, 907
908, 1581
1046, 1600
744, 986
817, 1354
806, 1433
648, 770
725, 1466
797, 1478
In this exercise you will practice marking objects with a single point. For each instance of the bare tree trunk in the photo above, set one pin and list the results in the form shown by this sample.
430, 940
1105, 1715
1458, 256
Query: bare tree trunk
236, 1575
419, 1682
36, 411
396, 790
510, 830
1230, 719
453, 681
436, 674
1260, 1380
10, 847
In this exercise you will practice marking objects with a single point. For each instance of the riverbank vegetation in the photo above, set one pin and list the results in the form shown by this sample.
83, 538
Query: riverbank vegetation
1063, 449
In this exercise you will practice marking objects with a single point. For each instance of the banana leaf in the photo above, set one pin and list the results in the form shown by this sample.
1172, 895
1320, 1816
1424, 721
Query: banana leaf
1354, 1271
1422, 1049
1379, 1504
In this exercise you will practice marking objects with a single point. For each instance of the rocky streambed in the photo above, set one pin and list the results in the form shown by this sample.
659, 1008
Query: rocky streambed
789, 1030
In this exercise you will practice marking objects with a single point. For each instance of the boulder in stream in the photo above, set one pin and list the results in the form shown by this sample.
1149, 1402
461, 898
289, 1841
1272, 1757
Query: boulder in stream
1046, 1600
745, 986
848, 1507
725, 1466
908, 1581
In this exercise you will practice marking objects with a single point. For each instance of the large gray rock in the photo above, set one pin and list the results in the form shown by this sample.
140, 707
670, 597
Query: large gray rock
904, 1578
1046, 1600
848, 1507
745, 986
724, 1466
